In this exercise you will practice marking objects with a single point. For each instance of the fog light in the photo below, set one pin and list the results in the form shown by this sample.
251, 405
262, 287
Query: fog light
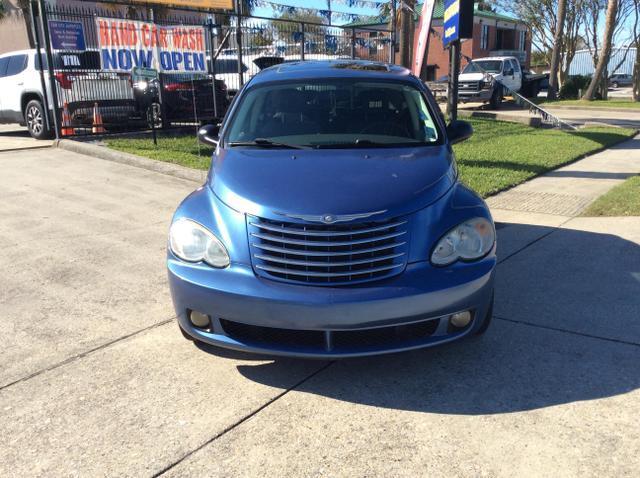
461, 319
199, 319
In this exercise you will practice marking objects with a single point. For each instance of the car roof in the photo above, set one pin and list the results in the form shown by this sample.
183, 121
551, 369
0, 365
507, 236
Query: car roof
332, 69
488, 58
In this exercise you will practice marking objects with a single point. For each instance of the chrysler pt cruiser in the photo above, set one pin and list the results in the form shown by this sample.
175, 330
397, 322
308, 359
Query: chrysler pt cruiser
332, 222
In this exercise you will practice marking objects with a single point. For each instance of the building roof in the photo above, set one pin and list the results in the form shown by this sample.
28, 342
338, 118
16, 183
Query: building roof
438, 14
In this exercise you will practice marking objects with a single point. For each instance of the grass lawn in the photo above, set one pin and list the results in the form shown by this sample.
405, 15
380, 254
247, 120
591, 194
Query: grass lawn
498, 156
613, 103
623, 200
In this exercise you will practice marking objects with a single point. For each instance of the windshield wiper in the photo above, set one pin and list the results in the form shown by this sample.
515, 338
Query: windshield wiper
358, 143
265, 143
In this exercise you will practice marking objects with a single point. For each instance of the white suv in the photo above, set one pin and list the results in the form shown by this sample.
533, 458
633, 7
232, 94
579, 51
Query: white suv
79, 83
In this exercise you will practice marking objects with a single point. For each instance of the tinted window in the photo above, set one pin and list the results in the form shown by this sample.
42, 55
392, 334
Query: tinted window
37, 62
224, 66
4, 62
17, 64
338, 113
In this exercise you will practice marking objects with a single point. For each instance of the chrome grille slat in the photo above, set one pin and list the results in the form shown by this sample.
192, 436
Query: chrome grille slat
328, 274
301, 252
328, 254
325, 264
297, 242
307, 232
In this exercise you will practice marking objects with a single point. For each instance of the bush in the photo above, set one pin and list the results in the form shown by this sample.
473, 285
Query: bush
570, 90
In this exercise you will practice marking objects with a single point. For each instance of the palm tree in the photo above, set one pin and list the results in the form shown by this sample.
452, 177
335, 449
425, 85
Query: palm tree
557, 45
603, 61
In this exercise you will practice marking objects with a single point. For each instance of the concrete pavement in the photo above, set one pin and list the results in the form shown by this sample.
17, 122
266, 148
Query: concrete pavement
15, 137
96, 379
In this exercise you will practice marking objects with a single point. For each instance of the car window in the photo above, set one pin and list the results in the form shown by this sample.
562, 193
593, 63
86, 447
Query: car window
490, 66
516, 66
16, 65
4, 62
38, 61
226, 65
334, 113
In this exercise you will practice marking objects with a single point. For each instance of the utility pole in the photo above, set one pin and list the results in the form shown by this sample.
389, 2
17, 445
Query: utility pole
454, 73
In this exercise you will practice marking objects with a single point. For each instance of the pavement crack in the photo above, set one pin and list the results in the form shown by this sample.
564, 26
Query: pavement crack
73, 358
538, 239
242, 420
567, 331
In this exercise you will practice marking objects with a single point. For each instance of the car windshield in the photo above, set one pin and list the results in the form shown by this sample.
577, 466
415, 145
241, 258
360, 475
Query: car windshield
489, 66
338, 113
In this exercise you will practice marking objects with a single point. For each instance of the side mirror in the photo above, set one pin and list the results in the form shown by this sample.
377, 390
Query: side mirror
458, 131
208, 134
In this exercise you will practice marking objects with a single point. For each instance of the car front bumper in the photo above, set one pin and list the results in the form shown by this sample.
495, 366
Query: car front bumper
482, 95
263, 316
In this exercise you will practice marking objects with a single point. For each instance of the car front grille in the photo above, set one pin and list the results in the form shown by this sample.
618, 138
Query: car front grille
327, 254
469, 85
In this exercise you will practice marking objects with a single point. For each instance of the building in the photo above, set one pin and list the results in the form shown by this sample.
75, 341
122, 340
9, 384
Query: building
494, 34
13, 28
621, 62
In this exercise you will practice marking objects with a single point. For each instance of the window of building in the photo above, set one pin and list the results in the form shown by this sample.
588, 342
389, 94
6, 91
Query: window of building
484, 37
523, 40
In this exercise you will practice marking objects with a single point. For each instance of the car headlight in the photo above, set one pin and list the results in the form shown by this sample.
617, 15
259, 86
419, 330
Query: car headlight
192, 242
468, 241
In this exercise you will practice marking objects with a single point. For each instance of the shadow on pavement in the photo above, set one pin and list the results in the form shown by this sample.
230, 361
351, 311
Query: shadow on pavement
520, 364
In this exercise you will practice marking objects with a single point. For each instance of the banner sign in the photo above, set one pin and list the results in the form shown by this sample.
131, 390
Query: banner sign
422, 37
451, 21
126, 44
214, 4
67, 35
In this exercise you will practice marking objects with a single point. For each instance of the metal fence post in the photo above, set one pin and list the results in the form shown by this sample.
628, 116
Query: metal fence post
392, 53
302, 42
239, 42
52, 82
353, 43
211, 26
39, 56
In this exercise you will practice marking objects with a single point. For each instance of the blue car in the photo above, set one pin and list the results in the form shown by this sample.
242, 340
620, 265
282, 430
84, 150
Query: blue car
332, 223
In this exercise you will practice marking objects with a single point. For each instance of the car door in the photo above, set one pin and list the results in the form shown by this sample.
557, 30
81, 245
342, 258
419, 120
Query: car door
508, 75
4, 61
12, 86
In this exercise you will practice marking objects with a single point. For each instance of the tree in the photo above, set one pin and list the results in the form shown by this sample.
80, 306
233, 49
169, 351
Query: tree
542, 17
557, 45
291, 32
407, 29
603, 61
636, 42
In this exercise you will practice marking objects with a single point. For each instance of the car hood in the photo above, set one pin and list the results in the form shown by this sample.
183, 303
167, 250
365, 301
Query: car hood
267, 183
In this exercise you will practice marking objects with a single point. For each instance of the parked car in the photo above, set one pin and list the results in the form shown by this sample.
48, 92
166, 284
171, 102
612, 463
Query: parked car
186, 97
333, 222
79, 82
620, 79
478, 80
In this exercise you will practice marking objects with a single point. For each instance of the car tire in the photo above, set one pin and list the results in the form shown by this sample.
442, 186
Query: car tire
614, 85
34, 117
496, 99
487, 319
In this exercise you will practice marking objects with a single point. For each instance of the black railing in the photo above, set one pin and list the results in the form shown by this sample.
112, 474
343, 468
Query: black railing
97, 89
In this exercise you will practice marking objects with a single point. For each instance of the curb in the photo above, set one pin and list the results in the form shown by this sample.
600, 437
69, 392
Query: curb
551, 106
534, 122
102, 152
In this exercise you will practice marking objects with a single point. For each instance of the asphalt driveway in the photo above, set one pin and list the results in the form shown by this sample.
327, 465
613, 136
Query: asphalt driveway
95, 378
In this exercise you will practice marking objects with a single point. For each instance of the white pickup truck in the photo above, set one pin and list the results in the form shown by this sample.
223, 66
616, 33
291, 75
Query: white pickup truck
477, 82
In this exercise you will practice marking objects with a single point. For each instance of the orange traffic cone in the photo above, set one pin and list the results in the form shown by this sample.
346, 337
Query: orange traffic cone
98, 126
67, 129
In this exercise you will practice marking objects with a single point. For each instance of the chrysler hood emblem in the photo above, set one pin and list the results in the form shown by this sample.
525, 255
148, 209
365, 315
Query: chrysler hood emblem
330, 218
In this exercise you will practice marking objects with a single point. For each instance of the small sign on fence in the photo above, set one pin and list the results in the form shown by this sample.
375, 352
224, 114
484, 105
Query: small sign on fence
127, 44
67, 35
